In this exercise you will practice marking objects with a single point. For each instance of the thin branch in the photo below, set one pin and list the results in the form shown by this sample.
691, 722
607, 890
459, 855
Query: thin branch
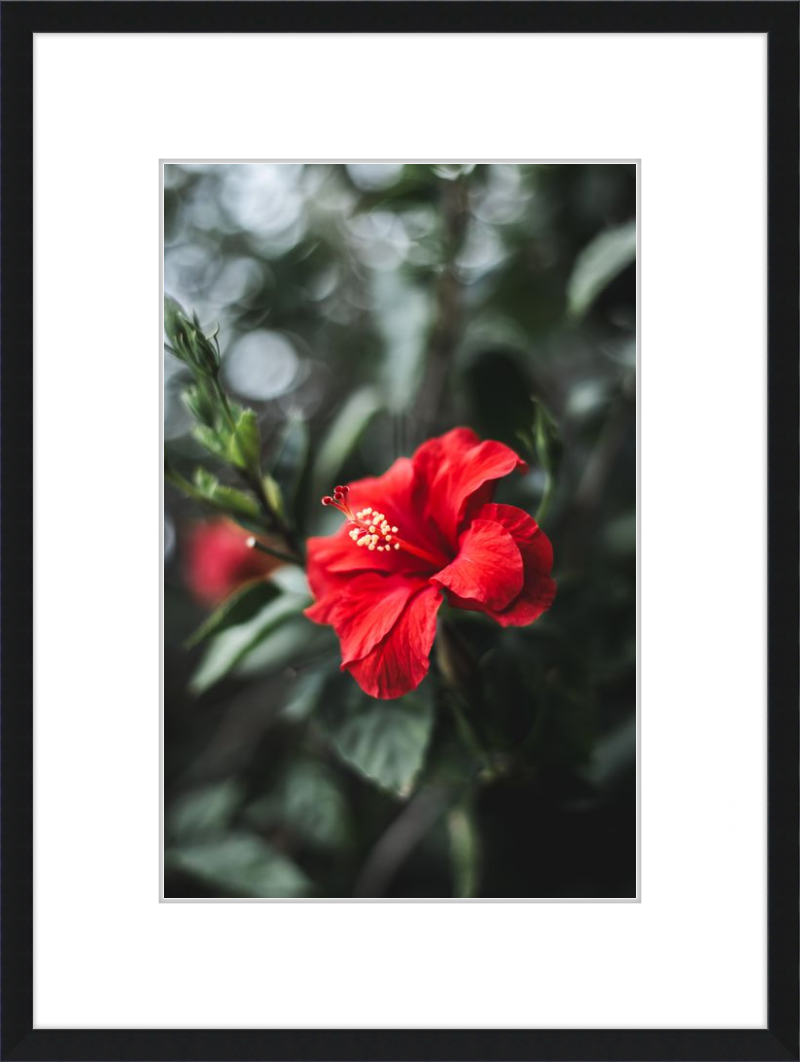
446, 331
397, 843
291, 558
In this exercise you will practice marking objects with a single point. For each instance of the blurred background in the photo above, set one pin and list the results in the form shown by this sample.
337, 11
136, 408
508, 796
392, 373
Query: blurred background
361, 310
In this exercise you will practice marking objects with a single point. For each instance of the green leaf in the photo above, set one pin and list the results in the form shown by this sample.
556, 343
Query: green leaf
292, 580
203, 811
240, 864
598, 264
235, 610
206, 482
614, 758
343, 435
308, 801
274, 496
236, 501
174, 477
233, 643
292, 641
244, 444
210, 440
385, 741
290, 645
302, 698
289, 458
200, 403
229, 499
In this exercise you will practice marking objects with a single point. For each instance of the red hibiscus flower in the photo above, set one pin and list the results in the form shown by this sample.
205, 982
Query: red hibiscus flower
219, 561
425, 528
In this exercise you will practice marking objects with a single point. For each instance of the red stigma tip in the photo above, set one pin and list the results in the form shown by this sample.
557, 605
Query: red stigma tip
327, 500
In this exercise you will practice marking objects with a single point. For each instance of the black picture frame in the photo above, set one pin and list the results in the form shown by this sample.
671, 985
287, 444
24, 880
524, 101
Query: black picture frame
19, 21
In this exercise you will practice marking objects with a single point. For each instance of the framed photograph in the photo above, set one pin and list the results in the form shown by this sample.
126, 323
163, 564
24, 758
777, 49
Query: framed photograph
399, 450
351, 481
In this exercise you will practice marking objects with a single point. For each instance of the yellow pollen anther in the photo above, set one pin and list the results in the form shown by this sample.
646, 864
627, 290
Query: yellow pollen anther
370, 528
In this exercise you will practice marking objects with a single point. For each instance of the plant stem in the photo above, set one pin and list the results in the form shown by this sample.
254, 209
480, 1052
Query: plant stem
468, 733
226, 406
459, 678
282, 527
291, 558
256, 484
464, 848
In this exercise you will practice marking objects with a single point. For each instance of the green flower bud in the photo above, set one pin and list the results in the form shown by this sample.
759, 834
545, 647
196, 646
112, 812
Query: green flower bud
187, 340
206, 353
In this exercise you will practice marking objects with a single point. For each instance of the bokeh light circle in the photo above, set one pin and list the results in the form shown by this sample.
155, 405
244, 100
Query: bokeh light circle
262, 365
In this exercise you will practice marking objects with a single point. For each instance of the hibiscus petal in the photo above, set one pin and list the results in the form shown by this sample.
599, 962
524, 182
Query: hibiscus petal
393, 495
365, 611
400, 661
537, 594
332, 559
322, 611
450, 470
388, 492
488, 567
523, 528
428, 458
538, 588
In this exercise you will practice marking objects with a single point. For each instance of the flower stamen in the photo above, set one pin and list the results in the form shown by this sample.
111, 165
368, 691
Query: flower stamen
372, 530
